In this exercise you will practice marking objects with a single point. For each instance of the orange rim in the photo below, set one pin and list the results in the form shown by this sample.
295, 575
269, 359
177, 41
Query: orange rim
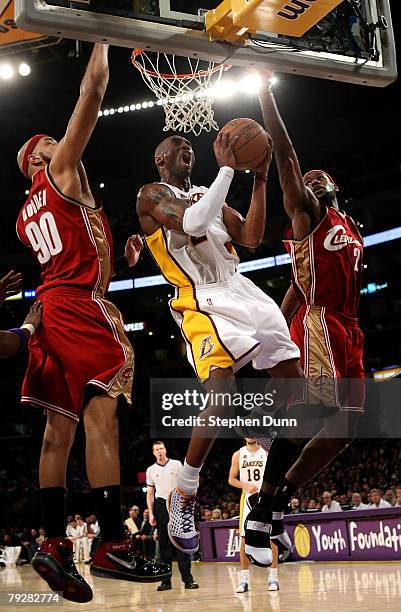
170, 76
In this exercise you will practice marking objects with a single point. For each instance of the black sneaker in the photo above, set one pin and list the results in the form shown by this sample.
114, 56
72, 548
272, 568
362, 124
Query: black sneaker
280, 537
192, 585
165, 586
118, 560
54, 562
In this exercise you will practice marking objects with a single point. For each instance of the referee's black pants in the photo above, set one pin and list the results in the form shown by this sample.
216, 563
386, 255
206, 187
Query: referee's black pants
166, 548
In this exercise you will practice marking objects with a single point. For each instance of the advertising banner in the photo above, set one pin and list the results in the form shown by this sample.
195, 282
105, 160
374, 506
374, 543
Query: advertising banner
369, 535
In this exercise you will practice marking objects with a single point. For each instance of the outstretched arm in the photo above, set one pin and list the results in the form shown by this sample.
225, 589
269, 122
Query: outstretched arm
84, 118
290, 305
249, 232
300, 204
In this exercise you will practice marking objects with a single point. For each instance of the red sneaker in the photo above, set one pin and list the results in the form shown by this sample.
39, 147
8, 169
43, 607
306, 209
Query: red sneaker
118, 560
54, 562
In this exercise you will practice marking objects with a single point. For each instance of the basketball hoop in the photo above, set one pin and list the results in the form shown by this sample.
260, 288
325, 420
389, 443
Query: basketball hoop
183, 87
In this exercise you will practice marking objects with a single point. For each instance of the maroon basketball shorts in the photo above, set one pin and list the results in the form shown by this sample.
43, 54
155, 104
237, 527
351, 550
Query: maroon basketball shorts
81, 342
331, 346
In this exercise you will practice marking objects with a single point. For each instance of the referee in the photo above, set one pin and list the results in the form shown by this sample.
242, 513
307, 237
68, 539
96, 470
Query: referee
161, 479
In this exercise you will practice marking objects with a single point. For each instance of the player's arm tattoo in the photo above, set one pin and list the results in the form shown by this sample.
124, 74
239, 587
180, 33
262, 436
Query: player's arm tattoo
165, 208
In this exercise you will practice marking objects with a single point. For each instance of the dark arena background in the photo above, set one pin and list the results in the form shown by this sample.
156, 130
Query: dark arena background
349, 130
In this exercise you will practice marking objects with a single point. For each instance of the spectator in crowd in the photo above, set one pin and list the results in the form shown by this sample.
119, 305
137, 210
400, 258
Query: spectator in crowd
398, 496
225, 515
207, 515
81, 541
377, 501
390, 497
216, 514
70, 531
41, 537
304, 505
147, 536
344, 502
11, 546
294, 506
31, 543
329, 504
130, 522
357, 503
312, 506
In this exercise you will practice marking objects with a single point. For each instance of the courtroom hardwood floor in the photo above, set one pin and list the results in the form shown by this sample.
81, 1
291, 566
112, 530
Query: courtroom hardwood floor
304, 587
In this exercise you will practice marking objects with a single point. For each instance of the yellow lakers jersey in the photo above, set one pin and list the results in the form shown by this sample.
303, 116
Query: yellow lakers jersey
186, 261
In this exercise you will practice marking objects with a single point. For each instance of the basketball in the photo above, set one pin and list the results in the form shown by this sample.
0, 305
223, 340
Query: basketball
252, 145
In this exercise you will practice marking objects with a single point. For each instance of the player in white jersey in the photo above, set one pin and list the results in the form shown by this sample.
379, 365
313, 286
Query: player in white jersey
246, 473
225, 319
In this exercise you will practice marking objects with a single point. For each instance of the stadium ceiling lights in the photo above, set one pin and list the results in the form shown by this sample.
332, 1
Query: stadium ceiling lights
8, 70
227, 88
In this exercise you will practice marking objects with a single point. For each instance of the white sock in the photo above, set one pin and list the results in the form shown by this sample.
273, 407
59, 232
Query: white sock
273, 574
188, 480
244, 576
277, 516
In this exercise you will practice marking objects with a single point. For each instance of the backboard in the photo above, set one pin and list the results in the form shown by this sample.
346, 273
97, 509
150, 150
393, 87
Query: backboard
352, 43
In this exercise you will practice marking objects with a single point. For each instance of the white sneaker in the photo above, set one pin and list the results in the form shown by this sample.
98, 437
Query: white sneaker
243, 587
181, 526
273, 585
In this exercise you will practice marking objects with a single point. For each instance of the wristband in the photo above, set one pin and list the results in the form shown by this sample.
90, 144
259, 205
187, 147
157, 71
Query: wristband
23, 338
29, 327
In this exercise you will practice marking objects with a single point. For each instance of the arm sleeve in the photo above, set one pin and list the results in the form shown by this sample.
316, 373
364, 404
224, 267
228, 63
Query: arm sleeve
149, 480
199, 217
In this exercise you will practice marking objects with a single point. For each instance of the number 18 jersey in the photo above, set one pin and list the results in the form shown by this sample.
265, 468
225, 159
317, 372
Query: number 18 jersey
72, 242
252, 466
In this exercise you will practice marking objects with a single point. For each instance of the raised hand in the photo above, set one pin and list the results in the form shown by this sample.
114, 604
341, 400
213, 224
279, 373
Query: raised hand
133, 249
10, 284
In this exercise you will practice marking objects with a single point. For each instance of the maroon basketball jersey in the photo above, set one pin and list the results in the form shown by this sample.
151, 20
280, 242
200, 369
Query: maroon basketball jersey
72, 242
327, 264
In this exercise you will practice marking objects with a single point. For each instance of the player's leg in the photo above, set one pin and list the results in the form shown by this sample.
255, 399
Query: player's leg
165, 547
243, 586
282, 453
182, 529
243, 559
54, 560
273, 570
115, 556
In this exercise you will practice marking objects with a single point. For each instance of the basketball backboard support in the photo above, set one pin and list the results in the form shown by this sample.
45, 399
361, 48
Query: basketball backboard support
161, 26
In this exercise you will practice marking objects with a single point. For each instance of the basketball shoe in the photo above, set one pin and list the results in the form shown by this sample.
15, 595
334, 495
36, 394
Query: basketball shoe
181, 527
280, 537
243, 587
54, 562
119, 560
257, 537
273, 585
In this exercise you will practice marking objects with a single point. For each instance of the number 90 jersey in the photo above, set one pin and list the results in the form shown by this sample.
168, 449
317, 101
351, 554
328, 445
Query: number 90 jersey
252, 466
72, 242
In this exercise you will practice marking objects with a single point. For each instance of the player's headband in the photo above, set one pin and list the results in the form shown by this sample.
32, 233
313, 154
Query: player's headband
29, 150
323, 172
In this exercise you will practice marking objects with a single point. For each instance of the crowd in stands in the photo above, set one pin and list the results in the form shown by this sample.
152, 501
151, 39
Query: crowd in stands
366, 475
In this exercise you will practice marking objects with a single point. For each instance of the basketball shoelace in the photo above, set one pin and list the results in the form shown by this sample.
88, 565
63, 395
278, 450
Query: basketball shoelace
187, 513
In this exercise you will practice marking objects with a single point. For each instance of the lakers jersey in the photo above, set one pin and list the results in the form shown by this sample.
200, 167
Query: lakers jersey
252, 466
187, 261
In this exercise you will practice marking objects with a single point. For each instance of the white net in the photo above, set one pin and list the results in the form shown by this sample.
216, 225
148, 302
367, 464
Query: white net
183, 87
